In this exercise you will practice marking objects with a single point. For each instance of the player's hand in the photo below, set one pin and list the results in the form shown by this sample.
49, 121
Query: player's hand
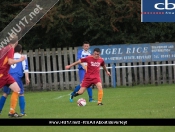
67, 67
27, 81
23, 58
108, 73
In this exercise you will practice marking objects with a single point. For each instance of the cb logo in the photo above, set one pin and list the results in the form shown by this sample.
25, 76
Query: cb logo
165, 6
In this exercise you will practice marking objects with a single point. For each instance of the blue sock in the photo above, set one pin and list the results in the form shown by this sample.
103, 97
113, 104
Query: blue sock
22, 104
89, 90
2, 102
77, 88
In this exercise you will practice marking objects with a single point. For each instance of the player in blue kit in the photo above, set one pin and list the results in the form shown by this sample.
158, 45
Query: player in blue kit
81, 71
17, 72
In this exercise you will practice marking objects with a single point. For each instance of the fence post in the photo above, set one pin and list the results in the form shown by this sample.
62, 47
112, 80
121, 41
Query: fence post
113, 76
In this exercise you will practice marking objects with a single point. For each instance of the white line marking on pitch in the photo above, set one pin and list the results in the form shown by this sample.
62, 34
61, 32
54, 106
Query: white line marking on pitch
61, 96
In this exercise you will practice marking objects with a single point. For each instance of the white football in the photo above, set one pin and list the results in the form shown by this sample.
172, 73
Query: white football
81, 102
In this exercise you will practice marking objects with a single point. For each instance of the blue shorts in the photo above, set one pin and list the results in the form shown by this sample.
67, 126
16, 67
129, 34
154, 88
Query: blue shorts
81, 73
20, 83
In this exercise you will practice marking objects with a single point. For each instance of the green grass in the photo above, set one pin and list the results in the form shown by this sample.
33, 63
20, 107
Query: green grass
125, 102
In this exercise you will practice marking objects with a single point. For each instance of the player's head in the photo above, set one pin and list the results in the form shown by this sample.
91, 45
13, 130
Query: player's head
96, 53
13, 40
18, 48
86, 45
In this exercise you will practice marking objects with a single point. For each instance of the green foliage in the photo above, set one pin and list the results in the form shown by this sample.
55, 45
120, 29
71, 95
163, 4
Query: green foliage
9, 10
70, 22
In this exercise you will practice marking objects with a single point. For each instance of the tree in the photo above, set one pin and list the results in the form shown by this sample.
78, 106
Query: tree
70, 22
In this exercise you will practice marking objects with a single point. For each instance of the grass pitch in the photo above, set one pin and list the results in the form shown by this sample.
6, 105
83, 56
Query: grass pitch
120, 102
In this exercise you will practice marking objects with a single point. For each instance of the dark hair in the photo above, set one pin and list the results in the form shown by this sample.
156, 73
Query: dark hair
18, 48
86, 42
97, 50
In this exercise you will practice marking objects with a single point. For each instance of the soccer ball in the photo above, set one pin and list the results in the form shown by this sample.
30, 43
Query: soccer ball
81, 102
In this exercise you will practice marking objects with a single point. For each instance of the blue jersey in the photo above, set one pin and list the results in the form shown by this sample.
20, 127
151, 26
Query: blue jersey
19, 68
82, 54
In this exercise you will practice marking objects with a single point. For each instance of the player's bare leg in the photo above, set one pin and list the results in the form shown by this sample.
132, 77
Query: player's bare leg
100, 93
14, 87
81, 91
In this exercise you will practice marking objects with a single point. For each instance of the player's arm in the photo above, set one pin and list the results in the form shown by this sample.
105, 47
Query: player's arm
26, 70
73, 64
79, 57
12, 61
27, 78
10, 55
106, 70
